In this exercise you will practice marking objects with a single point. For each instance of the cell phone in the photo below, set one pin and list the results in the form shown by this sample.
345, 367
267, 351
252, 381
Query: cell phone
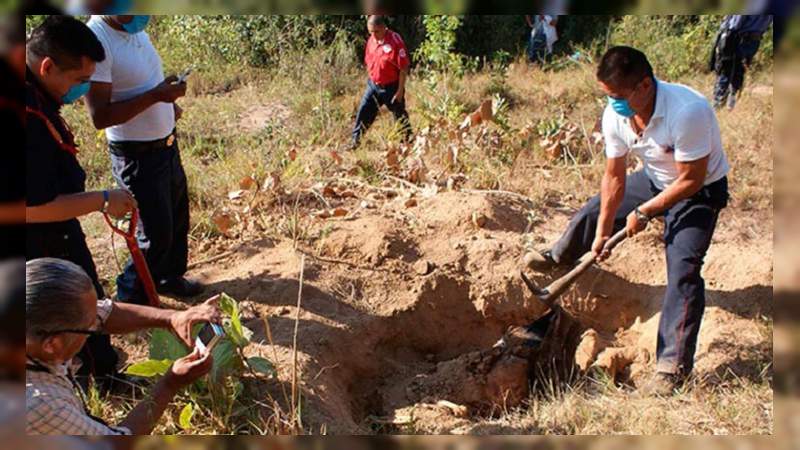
208, 337
182, 77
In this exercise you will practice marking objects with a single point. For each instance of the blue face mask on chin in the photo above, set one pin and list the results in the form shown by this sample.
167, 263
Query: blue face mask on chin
621, 106
75, 92
136, 25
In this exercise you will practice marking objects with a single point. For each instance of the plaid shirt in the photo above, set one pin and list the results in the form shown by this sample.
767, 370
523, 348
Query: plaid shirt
53, 406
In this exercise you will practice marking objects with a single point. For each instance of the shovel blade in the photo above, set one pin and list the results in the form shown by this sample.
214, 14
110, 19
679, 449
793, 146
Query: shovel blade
542, 294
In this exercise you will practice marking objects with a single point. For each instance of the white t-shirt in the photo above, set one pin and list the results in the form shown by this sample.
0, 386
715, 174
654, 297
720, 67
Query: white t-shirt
683, 128
133, 67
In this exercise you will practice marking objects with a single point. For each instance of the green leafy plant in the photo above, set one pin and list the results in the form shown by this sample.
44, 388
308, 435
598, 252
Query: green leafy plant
224, 386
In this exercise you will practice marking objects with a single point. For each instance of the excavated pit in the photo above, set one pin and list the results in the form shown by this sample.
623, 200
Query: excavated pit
401, 308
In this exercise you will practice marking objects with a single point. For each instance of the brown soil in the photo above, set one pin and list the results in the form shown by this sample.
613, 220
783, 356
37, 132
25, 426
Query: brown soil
401, 307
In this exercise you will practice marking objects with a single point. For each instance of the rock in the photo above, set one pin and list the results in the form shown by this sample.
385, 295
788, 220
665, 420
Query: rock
615, 360
478, 220
591, 344
410, 203
423, 267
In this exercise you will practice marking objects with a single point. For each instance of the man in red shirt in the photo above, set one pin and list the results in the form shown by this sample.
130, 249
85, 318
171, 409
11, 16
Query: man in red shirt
387, 62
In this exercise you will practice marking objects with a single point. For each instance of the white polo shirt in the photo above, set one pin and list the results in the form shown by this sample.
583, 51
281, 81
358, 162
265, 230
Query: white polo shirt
133, 67
683, 128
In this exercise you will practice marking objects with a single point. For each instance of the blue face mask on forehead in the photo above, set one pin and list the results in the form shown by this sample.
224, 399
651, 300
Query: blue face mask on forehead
136, 25
621, 106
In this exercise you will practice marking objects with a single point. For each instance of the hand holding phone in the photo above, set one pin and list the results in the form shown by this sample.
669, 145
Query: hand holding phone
182, 77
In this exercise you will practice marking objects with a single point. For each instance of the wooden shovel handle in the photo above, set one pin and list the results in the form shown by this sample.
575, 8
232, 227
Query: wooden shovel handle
557, 287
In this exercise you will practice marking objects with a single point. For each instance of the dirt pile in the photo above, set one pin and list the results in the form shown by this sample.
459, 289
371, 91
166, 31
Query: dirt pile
403, 304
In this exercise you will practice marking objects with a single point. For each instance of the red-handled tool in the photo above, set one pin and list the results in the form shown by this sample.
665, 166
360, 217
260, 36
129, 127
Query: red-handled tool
138, 257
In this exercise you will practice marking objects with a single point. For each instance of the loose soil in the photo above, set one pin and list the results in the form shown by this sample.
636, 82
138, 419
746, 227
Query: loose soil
402, 306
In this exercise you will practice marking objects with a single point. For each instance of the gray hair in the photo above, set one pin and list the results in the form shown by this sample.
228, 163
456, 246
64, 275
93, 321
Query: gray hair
377, 20
54, 294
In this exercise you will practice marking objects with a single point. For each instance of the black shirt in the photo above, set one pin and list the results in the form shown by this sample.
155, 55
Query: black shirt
12, 168
50, 171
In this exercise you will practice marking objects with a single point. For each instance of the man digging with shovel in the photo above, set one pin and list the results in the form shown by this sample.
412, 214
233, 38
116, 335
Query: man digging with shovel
674, 130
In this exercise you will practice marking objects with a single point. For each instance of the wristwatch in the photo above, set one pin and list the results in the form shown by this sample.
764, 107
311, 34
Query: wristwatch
642, 217
104, 209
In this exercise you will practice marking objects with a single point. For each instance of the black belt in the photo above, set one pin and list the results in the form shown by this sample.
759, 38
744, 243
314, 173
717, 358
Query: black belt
385, 86
125, 148
751, 36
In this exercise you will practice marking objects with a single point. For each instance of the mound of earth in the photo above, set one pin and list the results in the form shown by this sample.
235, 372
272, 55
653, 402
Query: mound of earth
402, 305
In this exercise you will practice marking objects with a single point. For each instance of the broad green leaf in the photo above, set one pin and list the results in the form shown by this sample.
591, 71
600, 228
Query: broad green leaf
226, 359
233, 326
164, 345
185, 419
227, 304
261, 365
149, 368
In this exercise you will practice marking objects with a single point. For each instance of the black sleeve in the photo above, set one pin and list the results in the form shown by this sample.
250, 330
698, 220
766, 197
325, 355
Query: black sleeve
12, 170
40, 168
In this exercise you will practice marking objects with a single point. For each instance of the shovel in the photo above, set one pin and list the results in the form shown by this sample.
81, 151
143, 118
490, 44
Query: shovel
537, 330
138, 257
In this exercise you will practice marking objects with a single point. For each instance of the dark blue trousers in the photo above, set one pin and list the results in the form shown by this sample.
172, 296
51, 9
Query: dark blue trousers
689, 225
731, 70
158, 183
537, 46
374, 97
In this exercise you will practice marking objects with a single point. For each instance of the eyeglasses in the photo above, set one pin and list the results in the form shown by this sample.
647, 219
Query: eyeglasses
86, 332
55, 332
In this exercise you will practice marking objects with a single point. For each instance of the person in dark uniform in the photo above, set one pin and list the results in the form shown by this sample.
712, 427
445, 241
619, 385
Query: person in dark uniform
60, 58
737, 43
12, 175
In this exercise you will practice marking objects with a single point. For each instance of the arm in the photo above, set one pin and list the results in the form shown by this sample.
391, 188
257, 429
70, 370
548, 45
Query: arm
127, 318
693, 141
612, 191
106, 113
144, 416
691, 177
70, 206
399, 96
529, 21
11, 213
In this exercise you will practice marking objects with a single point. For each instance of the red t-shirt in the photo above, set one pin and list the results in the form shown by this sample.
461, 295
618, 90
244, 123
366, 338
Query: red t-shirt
385, 61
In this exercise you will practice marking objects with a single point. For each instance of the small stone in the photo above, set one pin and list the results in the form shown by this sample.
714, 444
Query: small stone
423, 267
410, 203
478, 220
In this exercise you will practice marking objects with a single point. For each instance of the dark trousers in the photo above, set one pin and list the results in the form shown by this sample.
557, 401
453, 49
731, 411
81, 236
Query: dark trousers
67, 241
374, 97
158, 182
537, 46
731, 70
689, 225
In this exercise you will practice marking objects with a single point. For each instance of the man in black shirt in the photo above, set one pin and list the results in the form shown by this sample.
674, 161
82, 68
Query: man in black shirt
60, 57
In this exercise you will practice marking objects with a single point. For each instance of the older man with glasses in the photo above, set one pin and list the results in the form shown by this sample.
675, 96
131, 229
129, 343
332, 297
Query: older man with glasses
61, 311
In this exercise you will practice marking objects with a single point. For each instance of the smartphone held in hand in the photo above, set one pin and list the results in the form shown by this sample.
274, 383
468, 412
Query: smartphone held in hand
208, 337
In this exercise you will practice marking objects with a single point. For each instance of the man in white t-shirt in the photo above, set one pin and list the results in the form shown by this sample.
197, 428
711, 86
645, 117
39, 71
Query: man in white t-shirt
135, 104
674, 131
